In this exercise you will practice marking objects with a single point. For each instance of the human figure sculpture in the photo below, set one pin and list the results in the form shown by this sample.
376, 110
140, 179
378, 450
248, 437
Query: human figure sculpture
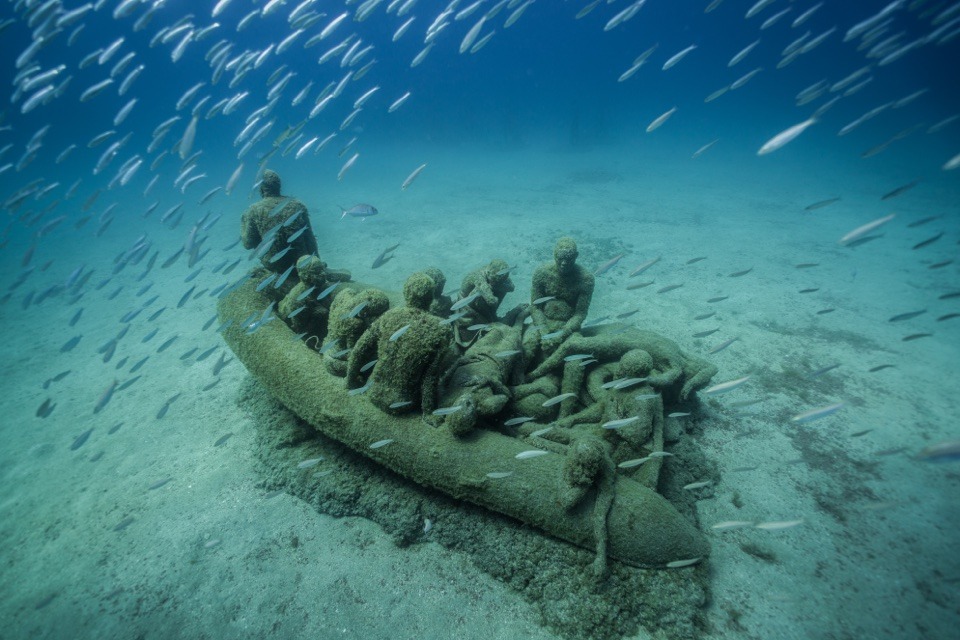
568, 289
351, 313
300, 307
491, 284
284, 218
409, 344
441, 304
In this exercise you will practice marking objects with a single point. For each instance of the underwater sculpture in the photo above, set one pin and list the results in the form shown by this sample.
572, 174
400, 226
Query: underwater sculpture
586, 474
285, 219
560, 296
409, 345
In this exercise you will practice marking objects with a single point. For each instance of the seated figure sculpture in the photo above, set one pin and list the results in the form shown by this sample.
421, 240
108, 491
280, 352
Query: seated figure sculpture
441, 304
351, 313
491, 284
568, 288
300, 307
285, 218
409, 345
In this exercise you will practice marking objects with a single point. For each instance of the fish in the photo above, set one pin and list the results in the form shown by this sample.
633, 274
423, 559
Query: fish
677, 57
543, 299
515, 421
777, 525
732, 524
540, 432
820, 204
123, 524
639, 285
643, 267
359, 211
822, 370
629, 464
696, 260
816, 414
463, 302
915, 336
725, 387
907, 316
697, 485
105, 397
899, 190
311, 462
661, 119
928, 241
825, 311
809, 290
863, 230
948, 316
396, 104
704, 334
609, 264
401, 403
46, 408
552, 335
676, 414
399, 332
159, 483
737, 274
699, 152
499, 475
222, 440
577, 356
384, 256
506, 354
677, 564
669, 287
947, 451
346, 167
880, 367
81, 439
381, 443
533, 453
785, 136
558, 399
723, 345
445, 411
71, 343
323, 294
616, 424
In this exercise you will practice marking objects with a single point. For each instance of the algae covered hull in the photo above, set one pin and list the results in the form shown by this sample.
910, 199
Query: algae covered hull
644, 529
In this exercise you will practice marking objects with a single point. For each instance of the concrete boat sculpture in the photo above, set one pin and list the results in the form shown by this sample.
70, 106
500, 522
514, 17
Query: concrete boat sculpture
564, 436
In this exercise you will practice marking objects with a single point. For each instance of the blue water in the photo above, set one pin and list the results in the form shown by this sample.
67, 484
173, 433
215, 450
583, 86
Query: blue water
528, 139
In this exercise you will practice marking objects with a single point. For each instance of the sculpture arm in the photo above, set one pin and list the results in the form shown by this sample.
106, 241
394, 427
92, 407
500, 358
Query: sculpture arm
363, 351
249, 234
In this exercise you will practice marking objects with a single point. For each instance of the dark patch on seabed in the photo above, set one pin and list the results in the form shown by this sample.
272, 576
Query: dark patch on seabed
550, 574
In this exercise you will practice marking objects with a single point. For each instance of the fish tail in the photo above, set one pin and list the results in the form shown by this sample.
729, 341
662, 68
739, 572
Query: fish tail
344, 214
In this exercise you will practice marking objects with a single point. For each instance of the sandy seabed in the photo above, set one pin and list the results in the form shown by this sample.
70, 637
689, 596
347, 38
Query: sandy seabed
212, 552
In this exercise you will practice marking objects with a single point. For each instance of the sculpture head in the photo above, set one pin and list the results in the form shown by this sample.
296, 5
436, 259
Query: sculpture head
565, 255
311, 270
439, 280
418, 291
635, 363
498, 272
270, 184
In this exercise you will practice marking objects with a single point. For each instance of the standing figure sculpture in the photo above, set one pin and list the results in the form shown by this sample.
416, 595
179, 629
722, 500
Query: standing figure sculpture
564, 290
285, 219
